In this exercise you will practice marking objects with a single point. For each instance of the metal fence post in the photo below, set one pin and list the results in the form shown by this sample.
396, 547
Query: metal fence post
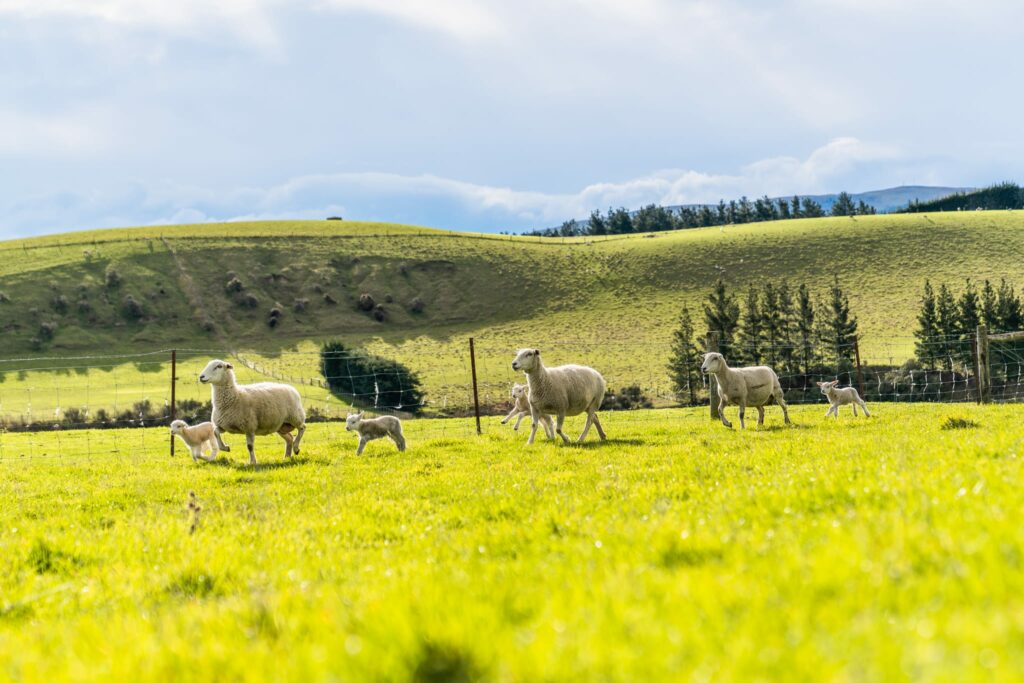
174, 382
476, 394
712, 347
856, 356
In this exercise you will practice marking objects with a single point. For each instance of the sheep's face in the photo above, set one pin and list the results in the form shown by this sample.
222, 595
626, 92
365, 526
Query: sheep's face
526, 360
177, 427
352, 421
712, 362
518, 390
215, 372
827, 387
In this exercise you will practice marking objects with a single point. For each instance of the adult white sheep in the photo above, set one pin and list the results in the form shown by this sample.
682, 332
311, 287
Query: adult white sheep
562, 391
755, 386
521, 408
253, 409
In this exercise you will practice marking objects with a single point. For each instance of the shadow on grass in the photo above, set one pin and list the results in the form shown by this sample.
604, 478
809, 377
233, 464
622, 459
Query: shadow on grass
244, 466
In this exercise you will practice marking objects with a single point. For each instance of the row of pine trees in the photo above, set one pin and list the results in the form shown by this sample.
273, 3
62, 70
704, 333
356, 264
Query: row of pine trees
654, 218
793, 330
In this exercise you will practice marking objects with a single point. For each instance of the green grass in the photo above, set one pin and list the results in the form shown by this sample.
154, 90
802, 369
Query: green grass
887, 548
610, 303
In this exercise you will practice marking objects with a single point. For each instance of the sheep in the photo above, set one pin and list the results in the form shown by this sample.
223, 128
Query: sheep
375, 428
841, 397
754, 386
521, 408
251, 409
565, 390
198, 438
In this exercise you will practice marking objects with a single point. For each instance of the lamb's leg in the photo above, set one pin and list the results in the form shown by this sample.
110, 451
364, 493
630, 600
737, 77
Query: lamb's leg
854, 406
864, 407
362, 445
288, 440
760, 416
549, 426
399, 440
211, 444
250, 443
298, 438
220, 442
519, 420
197, 452
721, 413
597, 424
558, 427
509, 417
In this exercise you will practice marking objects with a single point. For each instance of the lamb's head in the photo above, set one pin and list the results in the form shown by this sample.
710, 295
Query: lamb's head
216, 372
827, 387
526, 360
352, 421
518, 390
713, 362
177, 427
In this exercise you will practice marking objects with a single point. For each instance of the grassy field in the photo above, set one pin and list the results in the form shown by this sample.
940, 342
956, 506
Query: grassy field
886, 548
611, 303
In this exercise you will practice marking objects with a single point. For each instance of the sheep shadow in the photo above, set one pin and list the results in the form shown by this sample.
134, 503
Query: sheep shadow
244, 466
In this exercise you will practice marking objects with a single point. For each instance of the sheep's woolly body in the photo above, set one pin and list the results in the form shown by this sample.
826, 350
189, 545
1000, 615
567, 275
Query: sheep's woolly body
754, 386
198, 438
562, 391
371, 428
253, 409
521, 408
840, 397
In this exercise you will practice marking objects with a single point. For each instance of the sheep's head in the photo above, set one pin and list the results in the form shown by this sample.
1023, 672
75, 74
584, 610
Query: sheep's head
178, 426
352, 421
712, 362
215, 372
526, 360
518, 390
826, 387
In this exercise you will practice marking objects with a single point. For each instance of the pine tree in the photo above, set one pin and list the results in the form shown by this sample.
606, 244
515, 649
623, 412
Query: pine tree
989, 309
927, 328
771, 322
785, 343
842, 325
596, 225
795, 207
947, 317
844, 205
751, 334
685, 359
722, 314
1008, 308
970, 314
805, 326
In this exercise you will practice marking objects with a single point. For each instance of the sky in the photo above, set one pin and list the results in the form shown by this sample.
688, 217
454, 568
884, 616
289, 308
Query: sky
481, 115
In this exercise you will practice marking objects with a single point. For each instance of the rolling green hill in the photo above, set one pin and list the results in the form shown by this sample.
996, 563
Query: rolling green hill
611, 303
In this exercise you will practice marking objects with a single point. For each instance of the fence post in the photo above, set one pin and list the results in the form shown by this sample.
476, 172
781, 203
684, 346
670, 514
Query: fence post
860, 375
984, 370
712, 347
977, 368
476, 395
174, 382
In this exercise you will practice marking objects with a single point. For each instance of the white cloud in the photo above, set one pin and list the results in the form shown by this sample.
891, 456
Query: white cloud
82, 131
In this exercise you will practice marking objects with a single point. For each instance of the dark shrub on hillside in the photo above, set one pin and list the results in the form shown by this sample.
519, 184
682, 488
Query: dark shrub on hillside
248, 301
366, 302
60, 304
84, 306
379, 314
388, 299
207, 325
4, 299
274, 318
47, 330
628, 398
132, 308
416, 305
300, 305
233, 286
35, 343
112, 278
368, 380
330, 300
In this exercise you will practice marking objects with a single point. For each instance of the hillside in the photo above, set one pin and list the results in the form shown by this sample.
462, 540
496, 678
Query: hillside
612, 302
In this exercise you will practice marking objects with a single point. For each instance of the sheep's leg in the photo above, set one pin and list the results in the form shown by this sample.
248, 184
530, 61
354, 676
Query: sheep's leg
250, 443
743, 412
781, 400
721, 413
288, 440
399, 440
597, 424
197, 452
519, 420
864, 407
549, 426
298, 438
212, 443
760, 416
220, 442
535, 418
586, 428
854, 406
362, 445
558, 427
510, 415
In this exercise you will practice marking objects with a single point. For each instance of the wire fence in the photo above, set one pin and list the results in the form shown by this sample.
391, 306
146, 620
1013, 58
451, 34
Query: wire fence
91, 404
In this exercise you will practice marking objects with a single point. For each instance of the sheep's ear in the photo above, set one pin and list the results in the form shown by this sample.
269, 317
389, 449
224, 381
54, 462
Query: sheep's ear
229, 366
536, 352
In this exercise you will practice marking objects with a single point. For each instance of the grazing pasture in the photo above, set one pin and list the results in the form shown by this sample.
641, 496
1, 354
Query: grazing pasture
888, 548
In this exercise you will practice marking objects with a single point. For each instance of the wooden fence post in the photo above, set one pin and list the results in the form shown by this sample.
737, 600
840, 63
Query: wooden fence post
174, 383
856, 356
976, 368
984, 369
476, 395
712, 347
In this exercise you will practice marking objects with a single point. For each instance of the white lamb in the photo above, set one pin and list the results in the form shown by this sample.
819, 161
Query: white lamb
563, 391
521, 408
251, 409
841, 397
375, 428
754, 386
198, 438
